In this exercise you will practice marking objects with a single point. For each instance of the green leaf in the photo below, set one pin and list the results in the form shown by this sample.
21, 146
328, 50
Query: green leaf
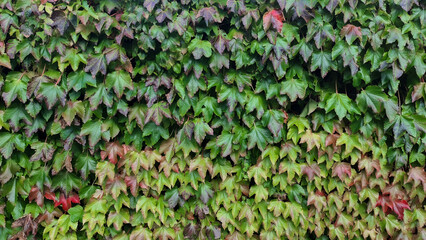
118, 218
93, 129
72, 109
156, 132
341, 104
78, 80
402, 123
373, 97
76, 213
85, 164
43, 151
51, 93
259, 136
241, 79
7, 20
5, 61
66, 181
374, 57
99, 95
391, 223
291, 168
256, 101
225, 140
200, 48
73, 58
105, 169
208, 105
119, 80
10, 141
322, 60
201, 129
294, 88
156, 112
14, 114
274, 120
258, 173
419, 64
260, 193
232, 96
15, 87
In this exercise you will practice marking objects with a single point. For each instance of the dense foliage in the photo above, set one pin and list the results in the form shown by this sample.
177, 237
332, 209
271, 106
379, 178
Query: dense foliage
218, 119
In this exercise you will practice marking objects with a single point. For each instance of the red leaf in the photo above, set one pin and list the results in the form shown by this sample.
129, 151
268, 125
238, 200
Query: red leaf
49, 195
341, 169
66, 204
74, 198
275, 17
396, 205
61, 198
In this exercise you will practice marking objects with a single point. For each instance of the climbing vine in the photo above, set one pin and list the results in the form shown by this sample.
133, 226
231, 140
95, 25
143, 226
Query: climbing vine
212, 119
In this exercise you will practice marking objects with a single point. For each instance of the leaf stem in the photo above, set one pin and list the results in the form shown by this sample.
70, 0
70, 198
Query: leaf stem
59, 79
44, 68
22, 75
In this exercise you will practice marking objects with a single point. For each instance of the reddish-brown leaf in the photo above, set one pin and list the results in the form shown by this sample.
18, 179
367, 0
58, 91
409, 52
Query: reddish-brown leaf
418, 175
389, 204
113, 149
27, 223
274, 17
369, 165
351, 32
19, 235
331, 139
342, 169
209, 14
48, 217
132, 183
36, 195
221, 44
311, 171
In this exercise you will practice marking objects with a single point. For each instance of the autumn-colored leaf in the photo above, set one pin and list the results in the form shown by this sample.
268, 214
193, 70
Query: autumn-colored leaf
342, 169
112, 152
67, 201
351, 32
311, 171
37, 195
389, 204
274, 17
418, 175
28, 224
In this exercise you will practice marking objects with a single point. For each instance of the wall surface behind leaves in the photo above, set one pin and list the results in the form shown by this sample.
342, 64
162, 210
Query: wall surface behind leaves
212, 119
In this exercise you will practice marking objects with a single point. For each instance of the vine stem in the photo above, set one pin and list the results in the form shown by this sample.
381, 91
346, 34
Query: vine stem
399, 100
335, 85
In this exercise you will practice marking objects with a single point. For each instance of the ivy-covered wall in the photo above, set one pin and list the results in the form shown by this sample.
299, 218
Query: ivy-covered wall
212, 119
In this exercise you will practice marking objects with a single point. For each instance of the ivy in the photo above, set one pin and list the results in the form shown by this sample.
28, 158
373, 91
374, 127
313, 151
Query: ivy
237, 119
